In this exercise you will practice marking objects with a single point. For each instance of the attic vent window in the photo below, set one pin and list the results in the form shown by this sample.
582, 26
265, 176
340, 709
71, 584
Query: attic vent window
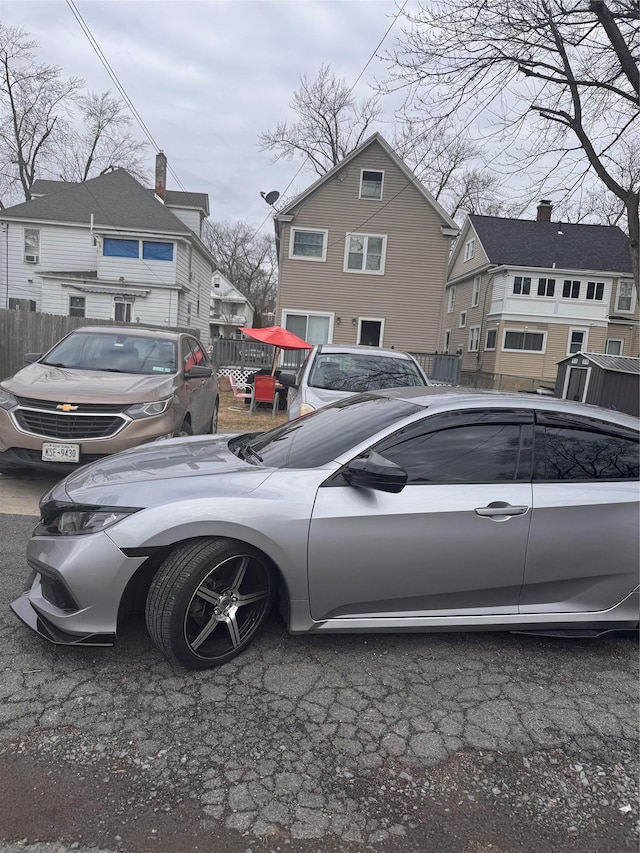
371, 184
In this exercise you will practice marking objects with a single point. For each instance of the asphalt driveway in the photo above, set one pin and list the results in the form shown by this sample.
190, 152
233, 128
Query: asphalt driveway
458, 742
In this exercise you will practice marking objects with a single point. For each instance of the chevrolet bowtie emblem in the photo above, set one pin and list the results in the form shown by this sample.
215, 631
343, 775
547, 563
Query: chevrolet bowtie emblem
67, 407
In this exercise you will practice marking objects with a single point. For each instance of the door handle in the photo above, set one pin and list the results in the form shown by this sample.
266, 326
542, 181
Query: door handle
500, 511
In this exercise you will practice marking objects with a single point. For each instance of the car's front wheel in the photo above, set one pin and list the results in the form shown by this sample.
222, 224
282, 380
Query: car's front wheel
208, 600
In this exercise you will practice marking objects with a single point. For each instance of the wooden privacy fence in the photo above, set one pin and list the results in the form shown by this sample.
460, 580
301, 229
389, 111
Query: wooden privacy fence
29, 331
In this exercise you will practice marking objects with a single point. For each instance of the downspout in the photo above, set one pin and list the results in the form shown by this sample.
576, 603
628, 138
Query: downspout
483, 319
6, 262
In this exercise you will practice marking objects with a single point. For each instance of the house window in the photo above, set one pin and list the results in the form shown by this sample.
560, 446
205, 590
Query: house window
523, 341
490, 343
475, 291
546, 286
577, 341
474, 338
371, 184
570, 289
447, 340
308, 245
522, 285
313, 328
614, 346
122, 309
595, 290
154, 251
365, 253
77, 306
31, 245
469, 249
216, 282
463, 320
626, 296
451, 300
113, 248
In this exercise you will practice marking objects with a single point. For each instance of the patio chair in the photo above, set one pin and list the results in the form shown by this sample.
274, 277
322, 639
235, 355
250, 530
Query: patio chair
240, 395
264, 391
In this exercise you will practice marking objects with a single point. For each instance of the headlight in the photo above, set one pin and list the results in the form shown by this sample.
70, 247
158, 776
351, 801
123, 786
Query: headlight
75, 519
7, 400
148, 410
305, 409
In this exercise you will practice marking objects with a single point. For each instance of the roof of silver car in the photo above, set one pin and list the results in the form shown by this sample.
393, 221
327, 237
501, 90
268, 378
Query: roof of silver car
361, 349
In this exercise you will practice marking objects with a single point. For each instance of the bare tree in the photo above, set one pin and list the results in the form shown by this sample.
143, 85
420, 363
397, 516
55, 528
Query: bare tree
35, 103
331, 123
248, 260
103, 141
558, 80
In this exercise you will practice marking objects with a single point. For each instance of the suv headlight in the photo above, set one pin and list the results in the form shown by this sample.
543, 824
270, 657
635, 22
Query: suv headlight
7, 400
148, 410
79, 519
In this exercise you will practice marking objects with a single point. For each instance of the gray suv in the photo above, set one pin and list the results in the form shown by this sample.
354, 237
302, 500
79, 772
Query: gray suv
332, 372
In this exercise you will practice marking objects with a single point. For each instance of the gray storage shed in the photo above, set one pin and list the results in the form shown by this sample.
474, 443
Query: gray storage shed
611, 381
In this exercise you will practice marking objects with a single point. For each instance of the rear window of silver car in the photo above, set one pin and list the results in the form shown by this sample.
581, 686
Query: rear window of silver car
357, 372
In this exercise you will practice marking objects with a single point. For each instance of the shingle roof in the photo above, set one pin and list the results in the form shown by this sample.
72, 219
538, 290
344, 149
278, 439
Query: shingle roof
529, 243
43, 186
116, 200
617, 363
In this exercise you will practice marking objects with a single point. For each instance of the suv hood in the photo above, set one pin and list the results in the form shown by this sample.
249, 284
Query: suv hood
44, 382
159, 472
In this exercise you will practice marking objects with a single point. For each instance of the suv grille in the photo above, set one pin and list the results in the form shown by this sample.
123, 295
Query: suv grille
84, 408
67, 426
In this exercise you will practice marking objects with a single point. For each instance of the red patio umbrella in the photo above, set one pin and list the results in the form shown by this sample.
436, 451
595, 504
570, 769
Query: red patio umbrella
280, 338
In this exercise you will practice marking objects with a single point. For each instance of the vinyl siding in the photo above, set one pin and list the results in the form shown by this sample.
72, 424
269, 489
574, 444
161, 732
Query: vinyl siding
191, 218
140, 269
152, 309
408, 295
460, 267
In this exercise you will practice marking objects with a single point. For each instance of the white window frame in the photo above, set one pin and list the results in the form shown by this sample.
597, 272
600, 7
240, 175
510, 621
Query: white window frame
474, 339
447, 340
547, 282
451, 304
31, 257
366, 237
371, 320
525, 332
495, 340
585, 339
84, 304
325, 240
633, 297
371, 197
571, 281
469, 249
126, 301
617, 341
462, 320
523, 282
298, 312
475, 291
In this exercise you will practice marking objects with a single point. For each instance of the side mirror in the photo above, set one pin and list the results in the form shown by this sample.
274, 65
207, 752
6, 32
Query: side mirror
288, 379
30, 357
376, 472
198, 371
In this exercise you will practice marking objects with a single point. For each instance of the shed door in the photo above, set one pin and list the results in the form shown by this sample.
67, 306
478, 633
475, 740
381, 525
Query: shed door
576, 383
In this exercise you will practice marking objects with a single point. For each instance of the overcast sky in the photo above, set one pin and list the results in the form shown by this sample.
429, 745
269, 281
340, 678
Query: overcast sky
208, 76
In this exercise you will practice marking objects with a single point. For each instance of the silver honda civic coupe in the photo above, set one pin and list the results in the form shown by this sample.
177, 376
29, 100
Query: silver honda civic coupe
413, 509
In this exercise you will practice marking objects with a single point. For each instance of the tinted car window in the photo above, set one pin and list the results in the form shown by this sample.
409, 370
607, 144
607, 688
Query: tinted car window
477, 453
125, 352
327, 433
565, 453
362, 372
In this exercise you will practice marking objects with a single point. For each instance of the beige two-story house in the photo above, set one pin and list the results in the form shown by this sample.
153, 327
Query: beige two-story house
362, 255
522, 295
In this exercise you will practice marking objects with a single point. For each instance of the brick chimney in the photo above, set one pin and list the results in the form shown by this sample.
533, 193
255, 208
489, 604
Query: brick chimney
161, 175
544, 210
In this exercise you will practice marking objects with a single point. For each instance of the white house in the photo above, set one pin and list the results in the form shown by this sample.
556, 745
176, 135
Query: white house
229, 308
109, 248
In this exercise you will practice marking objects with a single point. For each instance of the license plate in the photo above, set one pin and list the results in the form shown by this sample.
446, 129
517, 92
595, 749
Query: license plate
60, 452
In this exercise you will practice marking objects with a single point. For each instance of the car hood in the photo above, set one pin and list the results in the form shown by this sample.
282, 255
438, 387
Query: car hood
45, 382
153, 474
318, 397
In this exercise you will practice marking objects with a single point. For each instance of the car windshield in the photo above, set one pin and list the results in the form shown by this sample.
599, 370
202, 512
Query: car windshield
363, 372
323, 435
125, 353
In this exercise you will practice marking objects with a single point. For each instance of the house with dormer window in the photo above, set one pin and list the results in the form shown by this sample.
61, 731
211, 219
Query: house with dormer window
109, 248
522, 295
362, 255
230, 309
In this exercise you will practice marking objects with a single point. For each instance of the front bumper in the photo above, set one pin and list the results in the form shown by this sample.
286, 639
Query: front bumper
25, 611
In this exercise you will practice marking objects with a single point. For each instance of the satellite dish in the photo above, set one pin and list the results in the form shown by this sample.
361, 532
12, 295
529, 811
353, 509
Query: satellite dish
272, 197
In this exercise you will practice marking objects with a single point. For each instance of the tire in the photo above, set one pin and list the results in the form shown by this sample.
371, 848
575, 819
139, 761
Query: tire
199, 588
214, 419
185, 429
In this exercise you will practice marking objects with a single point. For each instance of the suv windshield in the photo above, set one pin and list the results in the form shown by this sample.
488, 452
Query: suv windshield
323, 435
362, 372
125, 353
